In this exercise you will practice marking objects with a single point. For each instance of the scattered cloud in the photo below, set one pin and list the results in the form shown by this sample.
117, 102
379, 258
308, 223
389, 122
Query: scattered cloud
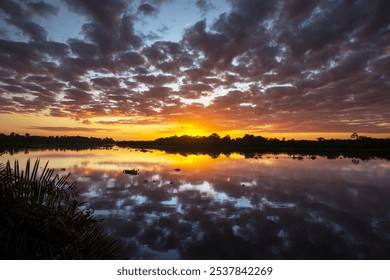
69, 129
147, 9
301, 65
204, 6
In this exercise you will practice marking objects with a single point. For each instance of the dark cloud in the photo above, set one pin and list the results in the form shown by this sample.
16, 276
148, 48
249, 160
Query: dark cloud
106, 82
42, 8
291, 65
233, 98
77, 95
160, 2
13, 89
231, 34
69, 129
161, 51
377, 19
155, 80
158, 93
127, 33
19, 15
84, 86
131, 59
12, 9
83, 49
296, 10
147, 9
204, 5
33, 30
194, 91
17, 56
51, 49
197, 87
145, 121
110, 27
104, 13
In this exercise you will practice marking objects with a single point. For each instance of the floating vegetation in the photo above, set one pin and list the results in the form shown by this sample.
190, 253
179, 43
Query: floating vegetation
131, 171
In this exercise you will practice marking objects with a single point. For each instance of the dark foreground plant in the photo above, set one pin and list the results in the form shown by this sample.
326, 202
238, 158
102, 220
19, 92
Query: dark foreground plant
40, 218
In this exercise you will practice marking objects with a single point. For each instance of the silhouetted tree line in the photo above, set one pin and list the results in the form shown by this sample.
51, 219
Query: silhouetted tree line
14, 140
250, 145
214, 144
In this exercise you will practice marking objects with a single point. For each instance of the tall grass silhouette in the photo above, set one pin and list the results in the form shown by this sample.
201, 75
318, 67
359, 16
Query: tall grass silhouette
41, 218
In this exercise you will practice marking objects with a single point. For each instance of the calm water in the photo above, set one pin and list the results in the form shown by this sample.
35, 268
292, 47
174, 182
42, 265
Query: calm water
271, 207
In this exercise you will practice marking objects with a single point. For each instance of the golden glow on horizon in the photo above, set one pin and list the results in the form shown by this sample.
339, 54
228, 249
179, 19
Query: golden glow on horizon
53, 126
124, 158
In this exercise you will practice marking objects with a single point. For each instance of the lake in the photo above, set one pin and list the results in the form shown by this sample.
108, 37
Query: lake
231, 206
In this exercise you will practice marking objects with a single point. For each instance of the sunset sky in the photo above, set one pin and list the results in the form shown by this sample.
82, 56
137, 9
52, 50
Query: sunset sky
146, 69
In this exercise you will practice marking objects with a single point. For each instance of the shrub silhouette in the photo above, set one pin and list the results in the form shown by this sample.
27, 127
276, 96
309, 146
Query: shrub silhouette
41, 218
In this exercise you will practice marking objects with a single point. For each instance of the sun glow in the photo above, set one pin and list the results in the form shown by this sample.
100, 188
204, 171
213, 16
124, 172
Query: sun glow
147, 128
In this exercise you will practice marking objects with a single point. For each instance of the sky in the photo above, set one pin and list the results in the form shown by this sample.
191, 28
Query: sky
147, 69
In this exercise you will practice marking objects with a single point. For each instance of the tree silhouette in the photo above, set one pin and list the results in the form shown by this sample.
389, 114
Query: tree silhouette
355, 136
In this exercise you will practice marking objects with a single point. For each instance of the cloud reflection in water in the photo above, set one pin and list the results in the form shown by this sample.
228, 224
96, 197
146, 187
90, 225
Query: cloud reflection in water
238, 208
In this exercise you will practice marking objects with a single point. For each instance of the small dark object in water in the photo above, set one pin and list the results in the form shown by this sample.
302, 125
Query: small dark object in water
63, 169
177, 169
145, 181
172, 182
131, 171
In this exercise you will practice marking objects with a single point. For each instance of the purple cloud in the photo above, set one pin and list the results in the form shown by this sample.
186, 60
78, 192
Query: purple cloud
291, 65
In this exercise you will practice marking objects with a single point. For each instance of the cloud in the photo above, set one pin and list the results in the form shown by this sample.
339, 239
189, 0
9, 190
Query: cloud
155, 80
161, 51
83, 49
271, 65
20, 16
147, 9
108, 82
35, 31
42, 8
204, 6
133, 121
69, 129
131, 59
110, 27
104, 13
77, 95
195, 91
86, 122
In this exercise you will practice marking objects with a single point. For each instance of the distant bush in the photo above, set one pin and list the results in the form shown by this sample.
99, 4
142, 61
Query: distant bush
40, 218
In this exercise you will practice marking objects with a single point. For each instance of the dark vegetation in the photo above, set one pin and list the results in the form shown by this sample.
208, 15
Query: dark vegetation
250, 145
14, 140
41, 218
358, 146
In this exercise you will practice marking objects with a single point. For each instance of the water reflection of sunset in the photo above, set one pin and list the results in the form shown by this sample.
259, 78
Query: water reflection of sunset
270, 206
117, 158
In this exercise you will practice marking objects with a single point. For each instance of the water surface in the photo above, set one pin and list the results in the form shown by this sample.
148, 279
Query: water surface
232, 207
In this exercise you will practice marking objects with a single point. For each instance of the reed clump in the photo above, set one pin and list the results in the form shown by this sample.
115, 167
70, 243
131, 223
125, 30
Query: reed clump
41, 218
